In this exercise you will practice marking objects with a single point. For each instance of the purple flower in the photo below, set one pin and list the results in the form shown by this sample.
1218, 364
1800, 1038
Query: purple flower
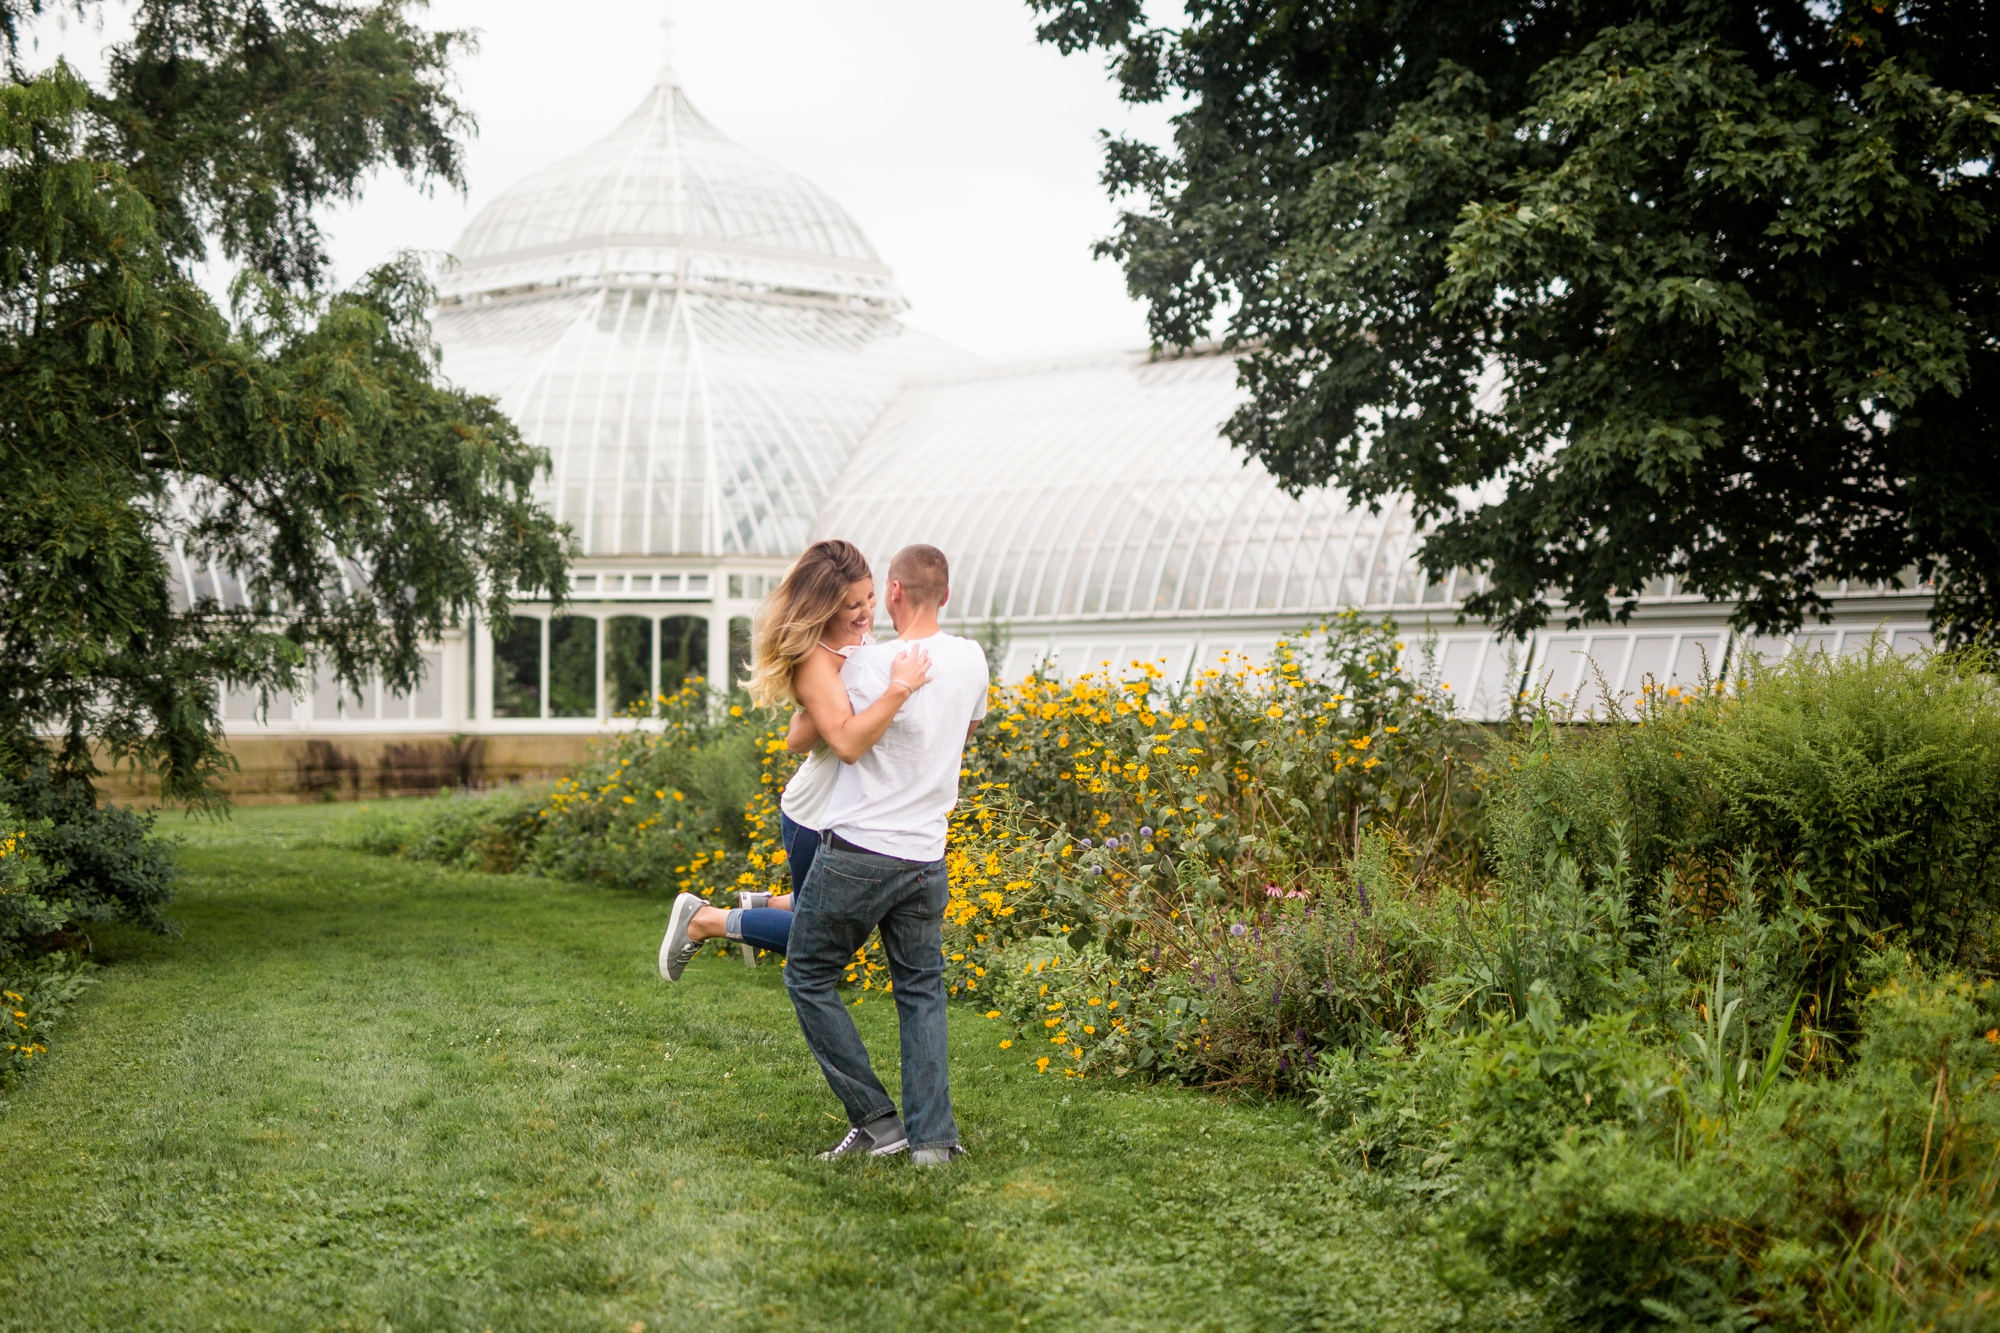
1282, 1065
1085, 842
1111, 844
1097, 870
1145, 831
1361, 890
1239, 930
1272, 891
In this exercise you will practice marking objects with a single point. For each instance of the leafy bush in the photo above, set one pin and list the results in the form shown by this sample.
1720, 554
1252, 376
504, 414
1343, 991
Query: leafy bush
1867, 787
684, 800
76, 863
33, 996
1677, 1197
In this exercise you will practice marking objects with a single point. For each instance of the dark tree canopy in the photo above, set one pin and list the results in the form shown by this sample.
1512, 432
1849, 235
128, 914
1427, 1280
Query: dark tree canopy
1612, 290
309, 446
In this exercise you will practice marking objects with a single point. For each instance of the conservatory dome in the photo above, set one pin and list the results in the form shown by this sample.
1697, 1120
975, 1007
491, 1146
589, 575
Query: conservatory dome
698, 336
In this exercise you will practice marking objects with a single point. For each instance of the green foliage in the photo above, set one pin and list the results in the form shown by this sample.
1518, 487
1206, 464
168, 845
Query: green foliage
237, 119
358, 505
76, 863
1862, 1202
34, 996
685, 800
1682, 288
1847, 800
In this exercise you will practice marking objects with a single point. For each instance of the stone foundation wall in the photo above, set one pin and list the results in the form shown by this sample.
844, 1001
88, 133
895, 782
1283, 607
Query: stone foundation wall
279, 770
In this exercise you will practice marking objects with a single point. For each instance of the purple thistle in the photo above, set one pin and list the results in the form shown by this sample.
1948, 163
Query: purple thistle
1145, 831
1086, 842
1238, 929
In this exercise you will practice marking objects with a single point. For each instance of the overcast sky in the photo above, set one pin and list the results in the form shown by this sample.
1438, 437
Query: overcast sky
967, 152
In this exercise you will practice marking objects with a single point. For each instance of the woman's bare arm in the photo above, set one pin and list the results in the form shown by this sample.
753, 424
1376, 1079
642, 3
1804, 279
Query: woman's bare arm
847, 733
802, 735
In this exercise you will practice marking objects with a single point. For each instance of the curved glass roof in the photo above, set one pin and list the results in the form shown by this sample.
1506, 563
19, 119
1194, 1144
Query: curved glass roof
681, 423
1100, 488
665, 194
699, 338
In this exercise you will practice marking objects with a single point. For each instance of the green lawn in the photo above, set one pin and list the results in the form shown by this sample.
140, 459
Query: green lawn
360, 1094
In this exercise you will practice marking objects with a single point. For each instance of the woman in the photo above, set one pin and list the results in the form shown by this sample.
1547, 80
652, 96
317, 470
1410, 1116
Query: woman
822, 611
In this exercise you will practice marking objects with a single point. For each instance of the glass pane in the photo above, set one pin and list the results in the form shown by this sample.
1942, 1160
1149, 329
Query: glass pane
572, 667
739, 651
628, 663
683, 651
429, 699
517, 670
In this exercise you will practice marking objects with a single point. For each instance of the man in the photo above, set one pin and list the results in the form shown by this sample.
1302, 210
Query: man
881, 863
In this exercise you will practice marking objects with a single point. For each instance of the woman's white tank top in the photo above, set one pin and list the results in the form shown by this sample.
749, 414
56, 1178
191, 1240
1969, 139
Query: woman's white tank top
810, 790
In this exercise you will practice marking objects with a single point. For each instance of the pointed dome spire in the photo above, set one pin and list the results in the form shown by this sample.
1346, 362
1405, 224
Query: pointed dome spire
666, 197
667, 77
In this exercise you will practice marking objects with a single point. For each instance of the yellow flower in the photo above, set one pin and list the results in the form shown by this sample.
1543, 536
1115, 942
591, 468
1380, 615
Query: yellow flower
1090, 1030
993, 1013
1042, 1065
1005, 1044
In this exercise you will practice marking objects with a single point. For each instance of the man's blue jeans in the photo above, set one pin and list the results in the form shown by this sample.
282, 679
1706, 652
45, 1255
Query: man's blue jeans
847, 895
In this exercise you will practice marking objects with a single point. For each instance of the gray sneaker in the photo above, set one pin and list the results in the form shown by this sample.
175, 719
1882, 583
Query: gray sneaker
937, 1156
676, 949
881, 1137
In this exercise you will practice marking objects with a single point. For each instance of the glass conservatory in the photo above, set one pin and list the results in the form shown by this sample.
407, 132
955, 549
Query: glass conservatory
715, 359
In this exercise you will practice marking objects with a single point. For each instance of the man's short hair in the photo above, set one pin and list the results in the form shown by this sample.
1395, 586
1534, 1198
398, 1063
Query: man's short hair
924, 574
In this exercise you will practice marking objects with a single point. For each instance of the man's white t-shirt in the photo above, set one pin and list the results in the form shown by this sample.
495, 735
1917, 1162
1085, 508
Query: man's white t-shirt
897, 798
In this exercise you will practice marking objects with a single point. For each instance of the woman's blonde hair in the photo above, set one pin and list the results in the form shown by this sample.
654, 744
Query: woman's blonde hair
795, 616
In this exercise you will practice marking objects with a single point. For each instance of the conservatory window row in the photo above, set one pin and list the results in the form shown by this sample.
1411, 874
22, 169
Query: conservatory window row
603, 666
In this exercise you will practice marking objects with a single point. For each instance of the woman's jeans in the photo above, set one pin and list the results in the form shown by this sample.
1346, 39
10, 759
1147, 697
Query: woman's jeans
770, 927
801, 845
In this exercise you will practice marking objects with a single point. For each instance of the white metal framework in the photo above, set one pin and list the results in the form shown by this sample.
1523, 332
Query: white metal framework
713, 356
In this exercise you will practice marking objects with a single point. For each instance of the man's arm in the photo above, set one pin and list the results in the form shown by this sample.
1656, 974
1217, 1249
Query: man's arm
847, 733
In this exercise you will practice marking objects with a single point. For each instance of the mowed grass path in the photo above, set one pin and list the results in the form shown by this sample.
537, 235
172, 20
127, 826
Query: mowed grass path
361, 1094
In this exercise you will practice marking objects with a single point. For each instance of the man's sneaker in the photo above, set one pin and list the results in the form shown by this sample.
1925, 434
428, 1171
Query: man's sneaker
881, 1137
751, 898
937, 1156
676, 949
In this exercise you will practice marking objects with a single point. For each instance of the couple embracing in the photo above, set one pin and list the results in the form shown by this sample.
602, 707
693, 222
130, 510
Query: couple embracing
885, 728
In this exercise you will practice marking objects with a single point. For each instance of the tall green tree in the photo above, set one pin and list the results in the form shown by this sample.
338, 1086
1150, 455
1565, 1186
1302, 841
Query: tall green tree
1612, 290
337, 501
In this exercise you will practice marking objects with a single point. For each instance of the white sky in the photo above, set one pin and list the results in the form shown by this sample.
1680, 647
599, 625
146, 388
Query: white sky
967, 151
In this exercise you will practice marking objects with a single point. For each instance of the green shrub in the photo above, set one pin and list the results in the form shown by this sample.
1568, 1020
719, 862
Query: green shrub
684, 800
493, 831
1865, 787
33, 996
86, 863
1672, 1199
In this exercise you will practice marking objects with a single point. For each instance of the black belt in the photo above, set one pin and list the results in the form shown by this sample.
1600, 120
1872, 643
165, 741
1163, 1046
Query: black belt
840, 844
